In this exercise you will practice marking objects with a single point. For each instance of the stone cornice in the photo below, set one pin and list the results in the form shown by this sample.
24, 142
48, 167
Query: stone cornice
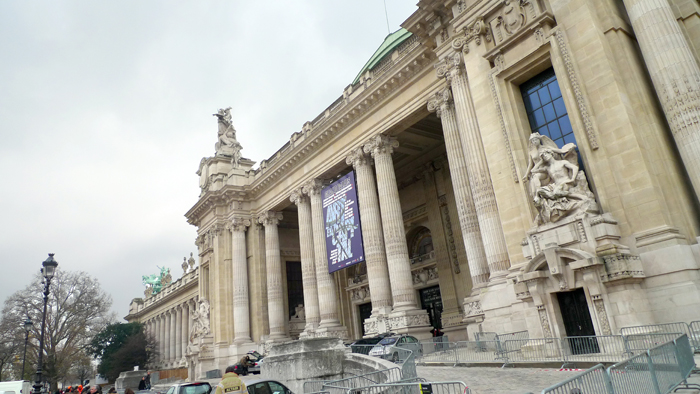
341, 115
222, 197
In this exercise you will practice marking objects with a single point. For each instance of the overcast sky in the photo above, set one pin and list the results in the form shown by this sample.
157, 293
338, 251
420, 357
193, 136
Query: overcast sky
106, 110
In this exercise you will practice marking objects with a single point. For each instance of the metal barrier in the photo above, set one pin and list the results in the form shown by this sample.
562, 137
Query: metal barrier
454, 387
478, 351
532, 350
443, 352
514, 335
595, 349
398, 354
695, 335
594, 380
639, 343
658, 370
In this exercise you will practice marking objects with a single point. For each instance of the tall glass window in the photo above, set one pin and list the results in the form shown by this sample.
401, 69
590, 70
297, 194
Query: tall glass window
545, 108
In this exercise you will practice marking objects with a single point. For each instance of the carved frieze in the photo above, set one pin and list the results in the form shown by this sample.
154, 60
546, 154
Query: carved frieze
473, 308
424, 275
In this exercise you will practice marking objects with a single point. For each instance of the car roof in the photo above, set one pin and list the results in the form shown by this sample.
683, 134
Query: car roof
260, 380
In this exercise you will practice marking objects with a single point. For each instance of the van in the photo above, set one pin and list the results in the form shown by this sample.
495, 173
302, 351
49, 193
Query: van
18, 386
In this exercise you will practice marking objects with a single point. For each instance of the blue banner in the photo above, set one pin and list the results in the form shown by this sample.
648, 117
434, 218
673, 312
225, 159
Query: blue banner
341, 216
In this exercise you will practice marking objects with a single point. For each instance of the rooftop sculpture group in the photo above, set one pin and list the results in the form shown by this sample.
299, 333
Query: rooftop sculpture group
155, 282
227, 145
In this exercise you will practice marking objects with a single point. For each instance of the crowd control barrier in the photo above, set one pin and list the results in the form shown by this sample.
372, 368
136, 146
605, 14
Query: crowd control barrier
658, 370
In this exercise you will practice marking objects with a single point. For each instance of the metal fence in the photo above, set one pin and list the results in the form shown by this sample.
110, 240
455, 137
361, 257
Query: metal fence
658, 370
417, 387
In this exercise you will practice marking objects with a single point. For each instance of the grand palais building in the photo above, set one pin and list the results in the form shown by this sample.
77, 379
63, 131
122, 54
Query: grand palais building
509, 165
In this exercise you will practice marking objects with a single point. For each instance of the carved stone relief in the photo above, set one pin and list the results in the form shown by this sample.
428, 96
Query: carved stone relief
602, 314
544, 321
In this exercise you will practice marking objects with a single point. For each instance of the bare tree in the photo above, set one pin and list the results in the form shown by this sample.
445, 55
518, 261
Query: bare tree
77, 310
82, 368
10, 347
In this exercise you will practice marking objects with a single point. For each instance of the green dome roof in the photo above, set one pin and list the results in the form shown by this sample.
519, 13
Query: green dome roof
390, 43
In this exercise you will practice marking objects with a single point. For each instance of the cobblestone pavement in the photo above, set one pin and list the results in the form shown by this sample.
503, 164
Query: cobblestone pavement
493, 380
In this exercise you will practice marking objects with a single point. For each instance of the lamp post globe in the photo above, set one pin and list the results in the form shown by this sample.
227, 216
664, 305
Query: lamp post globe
48, 270
28, 324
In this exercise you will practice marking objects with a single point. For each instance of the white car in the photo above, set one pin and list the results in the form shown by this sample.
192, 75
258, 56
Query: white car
396, 348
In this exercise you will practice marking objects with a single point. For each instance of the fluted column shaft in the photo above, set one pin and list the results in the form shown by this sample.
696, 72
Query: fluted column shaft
173, 334
161, 338
327, 295
372, 233
476, 257
479, 178
381, 147
178, 333
185, 327
675, 74
241, 309
308, 264
275, 300
166, 337
159, 341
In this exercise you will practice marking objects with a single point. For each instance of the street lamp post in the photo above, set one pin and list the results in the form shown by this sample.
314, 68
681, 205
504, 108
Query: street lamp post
49, 270
27, 327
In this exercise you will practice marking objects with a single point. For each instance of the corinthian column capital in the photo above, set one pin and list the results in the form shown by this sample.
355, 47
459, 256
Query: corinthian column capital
440, 102
381, 144
357, 158
239, 224
270, 218
314, 186
298, 197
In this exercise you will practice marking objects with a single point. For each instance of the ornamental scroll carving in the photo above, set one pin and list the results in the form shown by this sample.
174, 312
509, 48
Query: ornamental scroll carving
602, 315
473, 309
544, 321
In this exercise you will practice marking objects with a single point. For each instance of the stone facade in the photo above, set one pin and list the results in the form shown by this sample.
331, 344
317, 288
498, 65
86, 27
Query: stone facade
598, 211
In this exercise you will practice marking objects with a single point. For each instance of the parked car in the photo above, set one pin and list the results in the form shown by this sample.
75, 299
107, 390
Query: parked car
394, 347
266, 386
256, 358
364, 345
190, 388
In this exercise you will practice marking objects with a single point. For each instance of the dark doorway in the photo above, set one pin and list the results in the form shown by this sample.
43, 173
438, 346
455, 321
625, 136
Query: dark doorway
295, 287
577, 322
365, 313
431, 301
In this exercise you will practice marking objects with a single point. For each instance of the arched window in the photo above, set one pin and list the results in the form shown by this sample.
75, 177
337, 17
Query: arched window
420, 244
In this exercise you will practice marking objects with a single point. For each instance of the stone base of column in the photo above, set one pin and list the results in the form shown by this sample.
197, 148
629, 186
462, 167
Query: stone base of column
376, 324
497, 277
242, 341
414, 322
332, 332
309, 332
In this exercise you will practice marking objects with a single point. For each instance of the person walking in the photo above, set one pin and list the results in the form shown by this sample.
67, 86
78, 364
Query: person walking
148, 381
142, 384
231, 383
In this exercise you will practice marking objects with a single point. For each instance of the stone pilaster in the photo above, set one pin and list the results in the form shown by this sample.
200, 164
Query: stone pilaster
477, 168
173, 334
329, 325
178, 333
275, 300
443, 105
185, 327
241, 309
308, 264
373, 239
166, 337
159, 337
405, 313
675, 74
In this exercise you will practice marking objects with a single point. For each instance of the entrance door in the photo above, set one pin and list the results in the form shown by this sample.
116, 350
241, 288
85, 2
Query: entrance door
577, 321
365, 313
431, 301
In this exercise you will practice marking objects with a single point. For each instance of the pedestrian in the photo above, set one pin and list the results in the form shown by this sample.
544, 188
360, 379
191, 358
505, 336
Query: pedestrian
245, 363
148, 380
128, 391
230, 383
142, 384
96, 389
112, 390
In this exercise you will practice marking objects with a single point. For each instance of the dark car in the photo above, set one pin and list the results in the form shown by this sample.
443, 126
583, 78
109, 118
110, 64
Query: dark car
266, 386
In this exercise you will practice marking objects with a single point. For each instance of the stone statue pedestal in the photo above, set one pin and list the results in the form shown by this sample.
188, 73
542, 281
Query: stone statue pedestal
306, 359
413, 322
129, 379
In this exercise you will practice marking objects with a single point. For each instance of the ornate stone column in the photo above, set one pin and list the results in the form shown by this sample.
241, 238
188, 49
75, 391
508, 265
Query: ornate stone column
675, 74
241, 309
159, 338
166, 336
373, 239
327, 295
275, 300
405, 313
173, 334
308, 266
185, 327
178, 333
477, 168
443, 105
